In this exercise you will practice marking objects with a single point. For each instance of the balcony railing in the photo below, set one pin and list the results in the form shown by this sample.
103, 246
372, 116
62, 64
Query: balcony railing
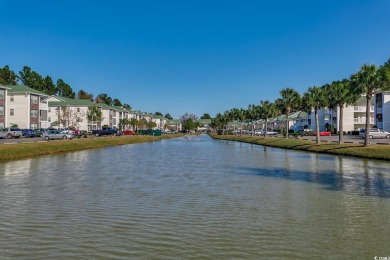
43, 106
362, 108
362, 120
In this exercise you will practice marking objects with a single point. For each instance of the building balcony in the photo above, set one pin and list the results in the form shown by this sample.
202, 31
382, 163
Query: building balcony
362, 108
379, 110
43, 106
362, 120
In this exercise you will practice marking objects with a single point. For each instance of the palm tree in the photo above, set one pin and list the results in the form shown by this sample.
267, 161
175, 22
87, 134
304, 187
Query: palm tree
219, 121
123, 122
151, 125
252, 114
267, 110
366, 81
290, 100
340, 94
237, 115
241, 117
315, 98
133, 122
94, 114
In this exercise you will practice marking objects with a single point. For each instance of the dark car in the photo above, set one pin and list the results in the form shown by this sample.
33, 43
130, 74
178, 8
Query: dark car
39, 132
29, 133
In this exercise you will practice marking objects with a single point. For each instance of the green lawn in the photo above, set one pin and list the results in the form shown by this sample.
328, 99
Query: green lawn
381, 152
25, 150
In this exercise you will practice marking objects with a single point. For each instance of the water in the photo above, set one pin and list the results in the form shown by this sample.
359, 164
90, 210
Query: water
194, 198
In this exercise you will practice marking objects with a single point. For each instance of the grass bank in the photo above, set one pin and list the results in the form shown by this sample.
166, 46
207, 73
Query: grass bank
379, 152
25, 150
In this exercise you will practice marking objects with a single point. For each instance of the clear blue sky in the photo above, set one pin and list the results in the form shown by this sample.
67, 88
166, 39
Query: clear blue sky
194, 56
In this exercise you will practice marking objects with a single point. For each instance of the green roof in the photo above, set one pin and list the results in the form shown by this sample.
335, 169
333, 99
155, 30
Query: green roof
204, 121
71, 102
174, 121
4, 87
24, 89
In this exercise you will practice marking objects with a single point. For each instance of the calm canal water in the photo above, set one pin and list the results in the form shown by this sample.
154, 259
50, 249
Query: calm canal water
194, 198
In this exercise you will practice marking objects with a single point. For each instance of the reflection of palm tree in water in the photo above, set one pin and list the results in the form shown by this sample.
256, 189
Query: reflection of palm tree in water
367, 181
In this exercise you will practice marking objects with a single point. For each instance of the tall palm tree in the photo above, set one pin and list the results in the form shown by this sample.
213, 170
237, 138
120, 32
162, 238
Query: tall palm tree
95, 115
233, 114
133, 122
366, 81
219, 121
315, 98
340, 94
267, 110
290, 100
252, 115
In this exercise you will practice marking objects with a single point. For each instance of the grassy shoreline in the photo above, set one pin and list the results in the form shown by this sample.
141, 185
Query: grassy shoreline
17, 151
378, 152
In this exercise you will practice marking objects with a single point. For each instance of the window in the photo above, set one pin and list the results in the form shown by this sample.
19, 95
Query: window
34, 99
11, 112
2, 125
49, 119
33, 126
1, 111
2, 93
34, 113
11, 98
43, 115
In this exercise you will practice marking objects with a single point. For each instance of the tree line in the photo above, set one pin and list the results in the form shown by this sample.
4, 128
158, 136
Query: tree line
338, 94
45, 84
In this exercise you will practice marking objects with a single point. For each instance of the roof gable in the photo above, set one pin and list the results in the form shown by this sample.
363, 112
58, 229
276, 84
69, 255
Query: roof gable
19, 89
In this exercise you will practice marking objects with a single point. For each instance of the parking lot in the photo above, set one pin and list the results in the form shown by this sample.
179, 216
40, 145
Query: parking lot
34, 139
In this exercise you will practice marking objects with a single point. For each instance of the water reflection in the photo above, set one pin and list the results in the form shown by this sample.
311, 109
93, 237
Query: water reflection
193, 197
339, 174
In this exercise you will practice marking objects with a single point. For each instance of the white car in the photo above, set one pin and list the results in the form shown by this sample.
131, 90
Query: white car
272, 133
67, 130
374, 133
56, 134
2, 134
261, 132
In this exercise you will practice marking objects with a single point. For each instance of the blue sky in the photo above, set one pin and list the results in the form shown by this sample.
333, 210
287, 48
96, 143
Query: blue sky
194, 56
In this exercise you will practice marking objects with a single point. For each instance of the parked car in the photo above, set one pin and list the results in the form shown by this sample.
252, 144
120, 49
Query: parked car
322, 133
67, 130
29, 133
39, 132
261, 132
128, 132
374, 133
168, 132
11, 132
106, 131
258, 132
78, 132
56, 134
2, 134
